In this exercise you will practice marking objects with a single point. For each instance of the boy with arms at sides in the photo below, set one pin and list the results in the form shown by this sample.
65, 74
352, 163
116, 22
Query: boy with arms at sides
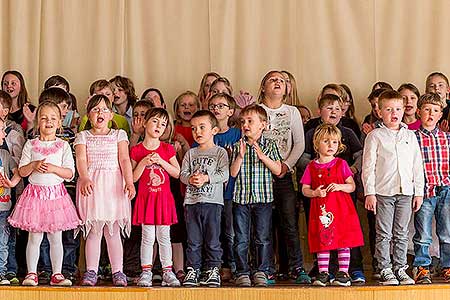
204, 170
435, 146
255, 160
393, 181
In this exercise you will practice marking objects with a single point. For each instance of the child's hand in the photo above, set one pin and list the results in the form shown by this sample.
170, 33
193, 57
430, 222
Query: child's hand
183, 142
129, 190
244, 98
366, 128
5, 182
137, 125
50, 168
334, 187
147, 160
28, 114
258, 150
371, 203
320, 192
417, 203
284, 170
40, 166
242, 148
198, 179
155, 158
86, 186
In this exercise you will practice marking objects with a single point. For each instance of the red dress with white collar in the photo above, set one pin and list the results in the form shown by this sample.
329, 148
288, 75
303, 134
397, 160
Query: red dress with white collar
333, 220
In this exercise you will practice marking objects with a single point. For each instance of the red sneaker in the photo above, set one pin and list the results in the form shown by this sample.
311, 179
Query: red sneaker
59, 280
31, 279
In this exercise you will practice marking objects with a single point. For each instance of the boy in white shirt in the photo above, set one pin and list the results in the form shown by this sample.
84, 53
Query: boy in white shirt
393, 177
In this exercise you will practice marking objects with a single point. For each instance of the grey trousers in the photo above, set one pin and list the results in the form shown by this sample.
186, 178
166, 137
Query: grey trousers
392, 219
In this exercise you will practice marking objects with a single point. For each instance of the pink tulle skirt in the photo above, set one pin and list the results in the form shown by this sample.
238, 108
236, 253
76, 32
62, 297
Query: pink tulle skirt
44, 209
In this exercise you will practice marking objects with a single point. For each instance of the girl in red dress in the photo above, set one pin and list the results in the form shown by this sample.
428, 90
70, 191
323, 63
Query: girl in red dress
153, 162
333, 221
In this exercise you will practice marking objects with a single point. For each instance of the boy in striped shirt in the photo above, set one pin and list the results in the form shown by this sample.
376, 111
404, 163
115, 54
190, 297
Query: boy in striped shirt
255, 158
435, 147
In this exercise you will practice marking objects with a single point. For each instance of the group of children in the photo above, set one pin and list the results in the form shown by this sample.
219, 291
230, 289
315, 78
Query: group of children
217, 190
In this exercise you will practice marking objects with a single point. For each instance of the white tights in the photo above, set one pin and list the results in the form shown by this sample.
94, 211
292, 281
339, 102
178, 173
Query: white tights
162, 233
56, 250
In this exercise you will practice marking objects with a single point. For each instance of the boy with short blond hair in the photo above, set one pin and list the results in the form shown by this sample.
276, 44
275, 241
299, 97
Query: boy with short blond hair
435, 146
392, 175
255, 160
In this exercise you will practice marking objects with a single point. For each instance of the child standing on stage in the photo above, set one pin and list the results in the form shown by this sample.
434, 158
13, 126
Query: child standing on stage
204, 171
45, 205
7, 166
104, 189
435, 147
256, 160
153, 162
393, 179
333, 221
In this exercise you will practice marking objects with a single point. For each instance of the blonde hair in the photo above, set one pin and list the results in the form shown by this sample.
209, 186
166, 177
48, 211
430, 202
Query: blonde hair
389, 95
50, 104
261, 94
201, 94
430, 98
324, 131
292, 98
176, 103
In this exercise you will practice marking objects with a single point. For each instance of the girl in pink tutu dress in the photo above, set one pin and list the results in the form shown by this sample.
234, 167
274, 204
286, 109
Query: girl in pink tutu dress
333, 221
153, 162
104, 189
45, 205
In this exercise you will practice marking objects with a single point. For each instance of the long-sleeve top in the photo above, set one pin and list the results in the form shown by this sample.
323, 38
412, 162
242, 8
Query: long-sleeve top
392, 163
214, 163
435, 147
285, 127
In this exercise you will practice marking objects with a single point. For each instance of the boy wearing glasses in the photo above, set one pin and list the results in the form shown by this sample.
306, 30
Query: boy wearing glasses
223, 106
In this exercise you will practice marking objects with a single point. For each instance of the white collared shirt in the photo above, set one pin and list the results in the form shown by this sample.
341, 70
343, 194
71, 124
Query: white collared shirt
392, 163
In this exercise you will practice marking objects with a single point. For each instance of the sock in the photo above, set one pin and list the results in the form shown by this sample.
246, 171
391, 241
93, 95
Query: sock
344, 259
323, 260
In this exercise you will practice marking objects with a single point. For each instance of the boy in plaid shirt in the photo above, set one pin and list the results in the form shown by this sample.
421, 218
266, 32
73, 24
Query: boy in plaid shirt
435, 147
255, 159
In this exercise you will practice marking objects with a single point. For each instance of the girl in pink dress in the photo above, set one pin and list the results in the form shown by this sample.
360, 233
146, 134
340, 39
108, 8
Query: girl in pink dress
104, 189
333, 221
45, 205
153, 162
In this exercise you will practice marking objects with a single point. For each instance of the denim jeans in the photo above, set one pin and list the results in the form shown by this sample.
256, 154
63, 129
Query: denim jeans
439, 207
285, 200
4, 236
259, 216
203, 235
227, 236
392, 219
12, 261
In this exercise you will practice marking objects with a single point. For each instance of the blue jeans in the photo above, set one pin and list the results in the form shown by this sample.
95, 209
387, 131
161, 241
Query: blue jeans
203, 233
259, 216
4, 237
439, 207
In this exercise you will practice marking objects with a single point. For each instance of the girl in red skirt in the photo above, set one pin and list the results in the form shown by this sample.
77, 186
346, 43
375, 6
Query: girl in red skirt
333, 221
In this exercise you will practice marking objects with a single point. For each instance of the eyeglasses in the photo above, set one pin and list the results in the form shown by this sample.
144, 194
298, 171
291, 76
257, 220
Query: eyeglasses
97, 110
218, 106
276, 79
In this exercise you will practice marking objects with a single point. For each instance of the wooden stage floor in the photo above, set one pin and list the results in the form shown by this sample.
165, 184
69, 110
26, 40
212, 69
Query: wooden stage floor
278, 292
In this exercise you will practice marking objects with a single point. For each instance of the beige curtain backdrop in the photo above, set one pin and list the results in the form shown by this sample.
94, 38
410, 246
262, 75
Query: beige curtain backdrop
170, 44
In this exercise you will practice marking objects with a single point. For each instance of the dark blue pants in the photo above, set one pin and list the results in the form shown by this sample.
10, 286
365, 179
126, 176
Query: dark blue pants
259, 216
203, 232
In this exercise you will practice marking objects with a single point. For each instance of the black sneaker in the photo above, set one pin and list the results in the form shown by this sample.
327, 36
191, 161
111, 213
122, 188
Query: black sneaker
212, 278
192, 277
44, 278
342, 279
322, 279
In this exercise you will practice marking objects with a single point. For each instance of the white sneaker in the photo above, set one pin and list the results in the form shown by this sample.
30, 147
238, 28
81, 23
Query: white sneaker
170, 279
387, 277
404, 278
145, 279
